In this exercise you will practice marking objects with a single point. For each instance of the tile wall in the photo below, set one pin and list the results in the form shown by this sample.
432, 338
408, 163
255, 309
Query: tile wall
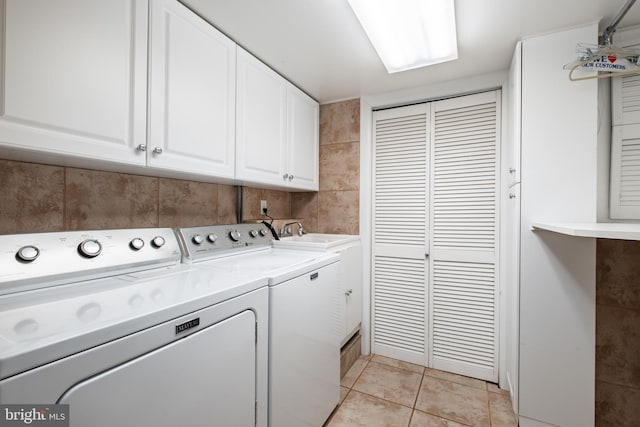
335, 208
36, 197
618, 333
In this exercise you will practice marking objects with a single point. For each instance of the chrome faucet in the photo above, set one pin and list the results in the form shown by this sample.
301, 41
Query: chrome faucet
286, 231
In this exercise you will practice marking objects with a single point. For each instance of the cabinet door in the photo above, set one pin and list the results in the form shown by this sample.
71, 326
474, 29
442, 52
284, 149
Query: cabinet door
351, 264
74, 79
261, 121
302, 140
514, 110
192, 93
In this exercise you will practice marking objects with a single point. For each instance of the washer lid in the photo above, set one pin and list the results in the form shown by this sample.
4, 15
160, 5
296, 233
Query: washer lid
43, 325
277, 265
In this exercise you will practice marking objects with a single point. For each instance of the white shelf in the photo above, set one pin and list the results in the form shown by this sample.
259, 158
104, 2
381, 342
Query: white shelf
600, 230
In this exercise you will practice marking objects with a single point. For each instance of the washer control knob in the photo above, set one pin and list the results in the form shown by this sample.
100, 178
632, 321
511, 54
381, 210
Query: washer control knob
253, 233
263, 232
90, 248
136, 244
212, 238
158, 242
234, 235
28, 253
197, 239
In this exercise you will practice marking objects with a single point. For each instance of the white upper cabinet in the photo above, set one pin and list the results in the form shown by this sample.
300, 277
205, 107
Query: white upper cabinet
261, 122
277, 129
74, 79
192, 93
303, 134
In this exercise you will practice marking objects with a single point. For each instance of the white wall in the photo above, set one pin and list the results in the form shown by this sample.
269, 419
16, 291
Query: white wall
559, 182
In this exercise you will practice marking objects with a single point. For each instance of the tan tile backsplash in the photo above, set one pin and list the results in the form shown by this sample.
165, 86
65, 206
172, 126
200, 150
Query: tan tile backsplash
31, 197
278, 204
187, 203
100, 200
340, 122
36, 197
617, 333
338, 212
335, 208
305, 207
339, 167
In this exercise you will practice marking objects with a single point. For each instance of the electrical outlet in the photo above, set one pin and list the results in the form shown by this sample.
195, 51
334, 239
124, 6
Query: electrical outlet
263, 207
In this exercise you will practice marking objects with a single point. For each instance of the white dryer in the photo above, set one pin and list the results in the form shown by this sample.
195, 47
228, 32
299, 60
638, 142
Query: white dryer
110, 323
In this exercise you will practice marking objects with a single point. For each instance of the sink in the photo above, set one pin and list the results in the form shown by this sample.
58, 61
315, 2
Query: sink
315, 241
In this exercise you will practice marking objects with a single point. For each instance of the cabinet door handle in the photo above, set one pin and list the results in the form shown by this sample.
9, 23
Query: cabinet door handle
285, 176
157, 150
290, 177
512, 196
314, 276
141, 147
349, 292
512, 170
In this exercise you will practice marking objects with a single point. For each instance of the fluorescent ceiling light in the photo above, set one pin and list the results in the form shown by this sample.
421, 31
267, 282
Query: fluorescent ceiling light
409, 34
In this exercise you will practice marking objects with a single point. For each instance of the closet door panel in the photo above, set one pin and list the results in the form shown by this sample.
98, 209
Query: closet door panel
464, 218
399, 233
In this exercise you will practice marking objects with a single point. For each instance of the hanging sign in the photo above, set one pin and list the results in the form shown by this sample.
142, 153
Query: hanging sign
611, 63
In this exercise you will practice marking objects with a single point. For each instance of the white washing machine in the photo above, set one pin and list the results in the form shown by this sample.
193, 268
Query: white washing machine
304, 315
112, 324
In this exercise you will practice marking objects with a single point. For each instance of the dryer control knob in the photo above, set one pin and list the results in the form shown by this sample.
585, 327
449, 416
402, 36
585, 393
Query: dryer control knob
136, 244
28, 253
234, 235
253, 233
90, 248
212, 238
158, 242
197, 239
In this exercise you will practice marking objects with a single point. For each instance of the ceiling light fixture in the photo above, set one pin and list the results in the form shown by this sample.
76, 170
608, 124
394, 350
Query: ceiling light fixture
409, 34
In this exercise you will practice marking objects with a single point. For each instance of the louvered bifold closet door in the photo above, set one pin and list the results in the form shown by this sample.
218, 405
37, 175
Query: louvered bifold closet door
464, 221
625, 148
400, 233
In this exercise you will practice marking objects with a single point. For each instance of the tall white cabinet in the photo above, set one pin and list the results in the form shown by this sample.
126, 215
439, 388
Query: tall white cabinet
277, 129
192, 80
556, 353
74, 81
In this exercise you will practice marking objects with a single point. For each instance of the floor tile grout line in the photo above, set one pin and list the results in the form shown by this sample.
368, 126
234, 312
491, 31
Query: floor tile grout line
415, 401
489, 409
397, 367
381, 398
443, 417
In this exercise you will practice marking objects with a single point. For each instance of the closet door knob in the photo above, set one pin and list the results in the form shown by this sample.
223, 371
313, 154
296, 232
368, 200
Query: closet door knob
141, 147
157, 150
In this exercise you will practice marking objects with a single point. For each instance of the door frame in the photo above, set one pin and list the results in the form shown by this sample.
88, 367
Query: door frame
480, 83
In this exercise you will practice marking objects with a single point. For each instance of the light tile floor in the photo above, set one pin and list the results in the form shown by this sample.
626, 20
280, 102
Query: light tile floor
379, 391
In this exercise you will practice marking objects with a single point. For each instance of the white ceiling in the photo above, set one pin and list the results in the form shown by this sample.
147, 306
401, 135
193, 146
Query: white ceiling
319, 45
